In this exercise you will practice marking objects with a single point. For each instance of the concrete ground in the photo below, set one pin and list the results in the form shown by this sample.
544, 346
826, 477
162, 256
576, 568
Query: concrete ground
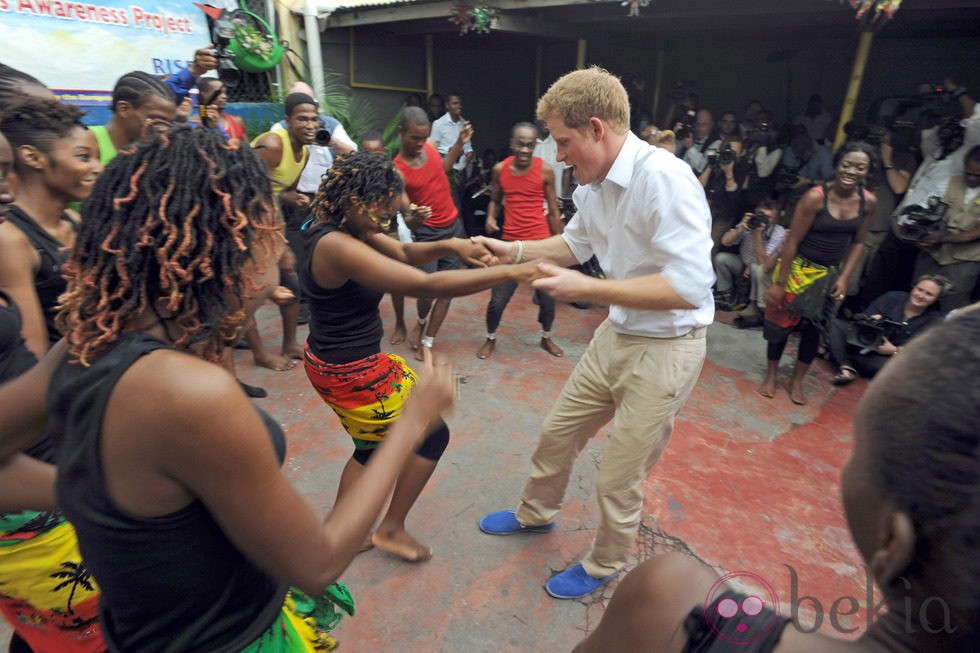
747, 484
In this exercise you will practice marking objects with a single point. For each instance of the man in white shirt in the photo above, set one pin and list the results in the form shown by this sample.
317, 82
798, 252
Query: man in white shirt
644, 215
445, 131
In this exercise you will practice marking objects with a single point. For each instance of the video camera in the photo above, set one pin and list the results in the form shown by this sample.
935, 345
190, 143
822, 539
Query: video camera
920, 223
868, 333
222, 32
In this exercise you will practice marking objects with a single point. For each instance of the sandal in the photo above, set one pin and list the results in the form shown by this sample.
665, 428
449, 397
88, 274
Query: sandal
845, 376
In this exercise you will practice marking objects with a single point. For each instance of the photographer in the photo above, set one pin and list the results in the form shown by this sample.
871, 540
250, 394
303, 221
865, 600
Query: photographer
760, 157
811, 163
757, 232
943, 149
699, 140
182, 82
888, 324
956, 253
722, 186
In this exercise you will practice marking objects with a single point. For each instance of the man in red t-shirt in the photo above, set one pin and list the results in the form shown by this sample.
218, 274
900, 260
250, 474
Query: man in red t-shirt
527, 188
427, 184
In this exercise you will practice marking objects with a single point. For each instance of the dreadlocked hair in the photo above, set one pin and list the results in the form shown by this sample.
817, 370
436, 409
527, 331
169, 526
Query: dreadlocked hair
366, 177
136, 87
39, 122
169, 225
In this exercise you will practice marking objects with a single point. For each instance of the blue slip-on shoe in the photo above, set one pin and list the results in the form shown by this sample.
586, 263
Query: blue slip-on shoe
574, 583
504, 522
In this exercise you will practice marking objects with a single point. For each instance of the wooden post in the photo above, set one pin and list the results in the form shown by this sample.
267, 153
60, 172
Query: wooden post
854, 87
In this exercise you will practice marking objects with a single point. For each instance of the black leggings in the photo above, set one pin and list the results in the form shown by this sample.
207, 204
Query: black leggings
809, 344
431, 448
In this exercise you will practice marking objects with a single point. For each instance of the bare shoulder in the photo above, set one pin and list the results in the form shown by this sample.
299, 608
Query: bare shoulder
11, 237
174, 388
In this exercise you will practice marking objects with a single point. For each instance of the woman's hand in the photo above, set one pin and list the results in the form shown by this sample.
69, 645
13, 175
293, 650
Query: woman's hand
775, 295
472, 253
887, 347
434, 394
839, 291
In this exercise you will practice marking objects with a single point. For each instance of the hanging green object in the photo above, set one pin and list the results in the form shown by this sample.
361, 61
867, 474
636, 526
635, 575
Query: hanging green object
254, 48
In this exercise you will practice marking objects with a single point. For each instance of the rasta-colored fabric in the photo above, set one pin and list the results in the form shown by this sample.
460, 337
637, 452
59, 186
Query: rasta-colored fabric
803, 275
367, 394
305, 622
46, 592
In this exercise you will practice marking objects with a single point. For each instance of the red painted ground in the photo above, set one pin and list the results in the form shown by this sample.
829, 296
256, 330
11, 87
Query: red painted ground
747, 484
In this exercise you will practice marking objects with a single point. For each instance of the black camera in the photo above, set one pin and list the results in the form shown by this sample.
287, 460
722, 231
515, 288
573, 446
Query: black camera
322, 136
758, 219
222, 32
868, 333
726, 155
920, 223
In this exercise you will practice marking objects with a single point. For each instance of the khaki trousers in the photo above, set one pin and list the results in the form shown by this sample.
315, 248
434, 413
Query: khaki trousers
641, 383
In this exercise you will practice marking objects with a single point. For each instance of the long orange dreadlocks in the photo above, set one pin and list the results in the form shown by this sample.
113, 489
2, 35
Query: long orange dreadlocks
169, 227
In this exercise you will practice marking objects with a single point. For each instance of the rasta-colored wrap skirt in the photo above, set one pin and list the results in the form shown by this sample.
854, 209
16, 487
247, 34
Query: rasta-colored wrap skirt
780, 320
305, 622
367, 394
46, 592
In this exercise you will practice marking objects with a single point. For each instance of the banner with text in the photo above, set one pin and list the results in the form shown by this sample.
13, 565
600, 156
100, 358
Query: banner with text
79, 49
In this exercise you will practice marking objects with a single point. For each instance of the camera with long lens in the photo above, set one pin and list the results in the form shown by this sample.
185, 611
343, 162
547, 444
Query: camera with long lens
222, 32
869, 333
687, 125
916, 223
758, 219
322, 136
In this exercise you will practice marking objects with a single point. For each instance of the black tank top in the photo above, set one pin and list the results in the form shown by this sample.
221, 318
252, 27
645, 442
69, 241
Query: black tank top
828, 240
345, 323
15, 359
173, 583
48, 282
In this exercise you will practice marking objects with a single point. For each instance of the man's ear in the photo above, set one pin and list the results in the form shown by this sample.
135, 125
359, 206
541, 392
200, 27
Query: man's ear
124, 109
597, 128
895, 547
32, 157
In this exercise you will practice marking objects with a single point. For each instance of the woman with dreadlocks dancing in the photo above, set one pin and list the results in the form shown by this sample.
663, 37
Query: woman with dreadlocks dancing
182, 510
350, 265
57, 161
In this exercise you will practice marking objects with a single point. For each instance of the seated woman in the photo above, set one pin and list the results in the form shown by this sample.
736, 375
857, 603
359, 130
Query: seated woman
912, 505
915, 311
170, 475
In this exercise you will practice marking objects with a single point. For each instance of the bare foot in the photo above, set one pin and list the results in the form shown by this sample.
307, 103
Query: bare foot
367, 544
486, 349
767, 388
416, 336
293, 351
796, 395
401, 544
398, 337
419, 353
549, 346
275, 363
